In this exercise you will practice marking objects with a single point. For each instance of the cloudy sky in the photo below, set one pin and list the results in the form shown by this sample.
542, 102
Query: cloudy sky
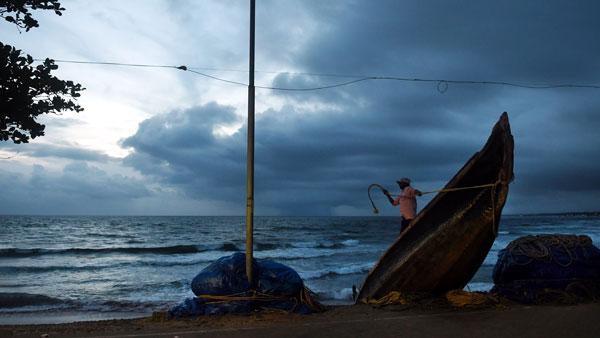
162, 141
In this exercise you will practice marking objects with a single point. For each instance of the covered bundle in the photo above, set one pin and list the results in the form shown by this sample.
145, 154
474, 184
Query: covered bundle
222, 287
548, 267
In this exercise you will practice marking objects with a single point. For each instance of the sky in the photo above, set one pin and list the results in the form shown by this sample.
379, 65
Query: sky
163, 141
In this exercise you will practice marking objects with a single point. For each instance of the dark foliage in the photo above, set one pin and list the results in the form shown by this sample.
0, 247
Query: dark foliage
17, 11
27, 91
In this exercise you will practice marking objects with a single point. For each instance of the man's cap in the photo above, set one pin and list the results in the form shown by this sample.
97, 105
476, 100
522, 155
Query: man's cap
404, 180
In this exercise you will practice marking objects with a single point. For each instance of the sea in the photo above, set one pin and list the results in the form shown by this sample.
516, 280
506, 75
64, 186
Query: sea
57, 269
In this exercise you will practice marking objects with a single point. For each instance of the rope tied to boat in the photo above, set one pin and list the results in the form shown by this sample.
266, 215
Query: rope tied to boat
253, 295
494, 185
456, 298
498, 182
539, 247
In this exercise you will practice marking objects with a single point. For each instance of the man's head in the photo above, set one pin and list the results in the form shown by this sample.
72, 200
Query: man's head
403, 182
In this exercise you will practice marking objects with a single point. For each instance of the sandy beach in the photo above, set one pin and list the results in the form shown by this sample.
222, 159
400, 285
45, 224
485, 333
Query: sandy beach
514, 320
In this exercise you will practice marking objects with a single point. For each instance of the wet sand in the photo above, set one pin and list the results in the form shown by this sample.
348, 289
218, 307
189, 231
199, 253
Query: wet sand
582, 320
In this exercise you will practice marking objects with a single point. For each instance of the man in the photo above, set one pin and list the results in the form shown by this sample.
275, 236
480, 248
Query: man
407, 202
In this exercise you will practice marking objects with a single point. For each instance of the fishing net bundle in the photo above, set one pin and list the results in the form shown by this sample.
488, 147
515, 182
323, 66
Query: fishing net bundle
546, 268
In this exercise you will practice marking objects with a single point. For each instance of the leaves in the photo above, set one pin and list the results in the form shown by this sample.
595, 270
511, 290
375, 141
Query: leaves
22, 17
28, 91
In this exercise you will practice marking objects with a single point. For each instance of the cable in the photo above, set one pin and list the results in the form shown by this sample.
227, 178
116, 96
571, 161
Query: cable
216, 78
111, 63
11, 156
442, 83
318, 88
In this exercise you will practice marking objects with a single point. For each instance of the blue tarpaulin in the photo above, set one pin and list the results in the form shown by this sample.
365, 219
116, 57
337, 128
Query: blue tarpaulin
222, 287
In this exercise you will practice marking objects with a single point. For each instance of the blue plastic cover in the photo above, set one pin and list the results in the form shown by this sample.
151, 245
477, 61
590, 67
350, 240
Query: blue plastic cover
227, 276
224, 277
278, 279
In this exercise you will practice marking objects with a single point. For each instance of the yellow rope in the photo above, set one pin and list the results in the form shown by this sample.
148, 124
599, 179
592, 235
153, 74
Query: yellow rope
493, 193
458, 298
263, 297
461, 298
456, 189
393, 297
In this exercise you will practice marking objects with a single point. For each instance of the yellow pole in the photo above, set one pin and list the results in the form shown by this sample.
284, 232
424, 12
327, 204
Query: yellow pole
250, 176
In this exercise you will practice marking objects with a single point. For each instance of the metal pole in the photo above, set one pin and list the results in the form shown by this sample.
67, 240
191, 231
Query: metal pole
250, 176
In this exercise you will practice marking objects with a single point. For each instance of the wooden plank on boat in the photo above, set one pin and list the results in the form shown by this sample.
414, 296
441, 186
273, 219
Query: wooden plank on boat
449, 239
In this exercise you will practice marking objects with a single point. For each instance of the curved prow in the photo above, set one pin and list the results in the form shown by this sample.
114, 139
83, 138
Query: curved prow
449, 239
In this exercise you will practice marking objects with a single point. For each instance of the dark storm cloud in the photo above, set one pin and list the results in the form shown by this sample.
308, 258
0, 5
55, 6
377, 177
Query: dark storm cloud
66, 152
533, 40
180, 149
305, 163
319, 152
78, 189
58, 151
525, 42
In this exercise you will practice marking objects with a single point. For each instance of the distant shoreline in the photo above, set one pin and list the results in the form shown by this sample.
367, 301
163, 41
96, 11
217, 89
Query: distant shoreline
568, 214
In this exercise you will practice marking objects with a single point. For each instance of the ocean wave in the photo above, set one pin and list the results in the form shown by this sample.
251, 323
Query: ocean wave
295, 253
351, 242
479, 287
54, 268
31, 303
227, 247
18, 300
107, 235
340, 296
269, 246
198, 259
327, 244
339, 271
202, 258
166, 250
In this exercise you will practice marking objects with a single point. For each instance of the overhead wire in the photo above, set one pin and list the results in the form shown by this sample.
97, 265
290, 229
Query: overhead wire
442, 83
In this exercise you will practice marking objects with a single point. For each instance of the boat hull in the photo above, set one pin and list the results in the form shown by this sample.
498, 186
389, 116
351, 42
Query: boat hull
449, 239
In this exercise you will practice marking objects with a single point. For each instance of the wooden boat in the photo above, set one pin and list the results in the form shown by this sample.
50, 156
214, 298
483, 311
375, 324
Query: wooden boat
449, 239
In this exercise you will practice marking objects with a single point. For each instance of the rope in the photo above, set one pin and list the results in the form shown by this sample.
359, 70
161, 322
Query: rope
493, 193
375, 211
304, 297
578, 291
457, 298
539, 247
393, 297
461, 298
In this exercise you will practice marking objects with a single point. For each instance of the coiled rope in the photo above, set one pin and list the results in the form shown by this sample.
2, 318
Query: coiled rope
253, 295
393, 297
456, 298
538, 247
462, 298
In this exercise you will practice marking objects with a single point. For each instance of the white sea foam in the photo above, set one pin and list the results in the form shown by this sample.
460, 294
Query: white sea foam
343, 270
351, 242
295, 253
479, 287
345, 294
